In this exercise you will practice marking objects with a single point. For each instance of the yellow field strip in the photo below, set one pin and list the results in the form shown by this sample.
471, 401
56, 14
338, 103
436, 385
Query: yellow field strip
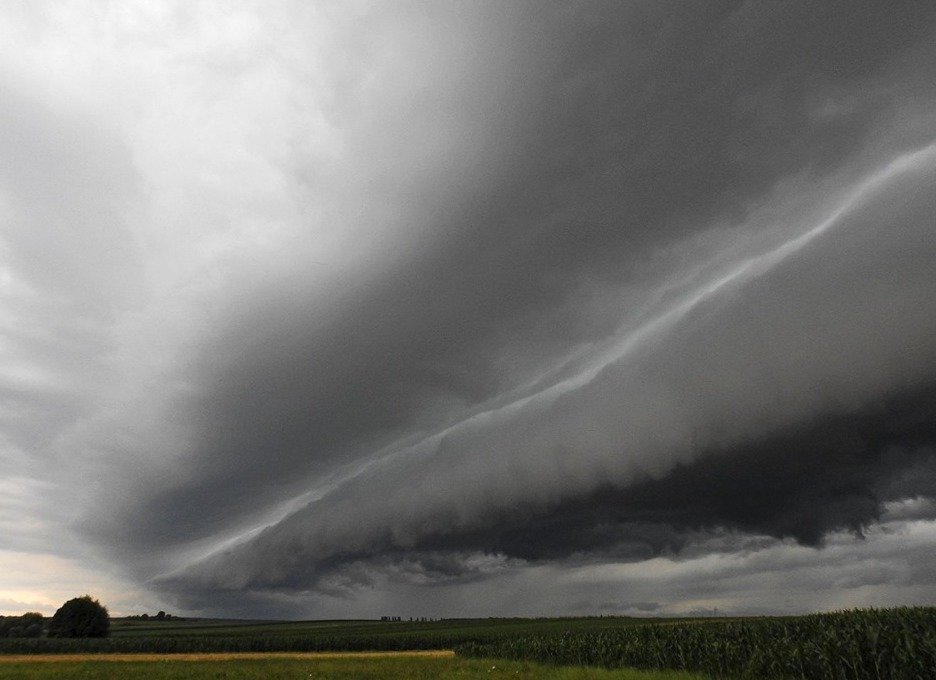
218, 656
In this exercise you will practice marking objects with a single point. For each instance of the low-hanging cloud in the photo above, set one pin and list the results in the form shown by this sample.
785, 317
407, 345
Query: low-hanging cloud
464, 298
780, 402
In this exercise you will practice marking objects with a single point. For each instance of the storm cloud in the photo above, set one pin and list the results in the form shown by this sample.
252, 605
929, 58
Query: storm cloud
320, 308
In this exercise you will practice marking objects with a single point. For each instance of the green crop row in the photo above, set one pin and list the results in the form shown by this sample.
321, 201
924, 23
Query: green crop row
301, 636
241, 643
893, 644
349, 668
249, 643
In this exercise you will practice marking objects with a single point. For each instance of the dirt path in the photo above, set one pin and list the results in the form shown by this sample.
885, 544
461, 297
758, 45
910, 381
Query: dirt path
217, 656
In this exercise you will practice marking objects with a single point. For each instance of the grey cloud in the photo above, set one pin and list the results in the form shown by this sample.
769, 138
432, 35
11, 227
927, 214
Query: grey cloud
609, 132
68, 188
512, 291
887, 567
69, 268
912, 506
837, 473
787, 402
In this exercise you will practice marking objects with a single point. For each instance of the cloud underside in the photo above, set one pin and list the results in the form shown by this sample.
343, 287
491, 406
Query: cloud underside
449, 301
781, 401
838, 474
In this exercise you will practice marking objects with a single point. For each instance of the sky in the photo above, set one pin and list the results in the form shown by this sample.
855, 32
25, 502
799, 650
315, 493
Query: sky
346, 309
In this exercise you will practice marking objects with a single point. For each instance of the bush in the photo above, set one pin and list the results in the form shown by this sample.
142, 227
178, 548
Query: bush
27, 625
80, 617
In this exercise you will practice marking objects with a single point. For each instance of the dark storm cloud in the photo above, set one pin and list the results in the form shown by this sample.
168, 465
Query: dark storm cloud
336, 307
837, 473
609, 133
789, 398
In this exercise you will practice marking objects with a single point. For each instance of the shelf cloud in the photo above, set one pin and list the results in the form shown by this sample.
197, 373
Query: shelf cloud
323, 310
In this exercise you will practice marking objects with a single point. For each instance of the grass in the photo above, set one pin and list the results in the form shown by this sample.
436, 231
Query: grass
893, 644
348, 668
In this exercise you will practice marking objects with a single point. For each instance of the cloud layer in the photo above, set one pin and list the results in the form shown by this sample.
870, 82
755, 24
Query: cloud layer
332, 305
754, 365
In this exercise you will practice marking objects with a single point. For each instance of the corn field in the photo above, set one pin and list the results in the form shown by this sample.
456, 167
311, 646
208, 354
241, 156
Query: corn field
892, 644
194, 635
198, 644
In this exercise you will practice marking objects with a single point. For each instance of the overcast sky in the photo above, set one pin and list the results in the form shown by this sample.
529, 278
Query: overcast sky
350, 309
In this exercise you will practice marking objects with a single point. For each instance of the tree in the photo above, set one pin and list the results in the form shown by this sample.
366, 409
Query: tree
27, 625
32, 624
32, 618
80, 617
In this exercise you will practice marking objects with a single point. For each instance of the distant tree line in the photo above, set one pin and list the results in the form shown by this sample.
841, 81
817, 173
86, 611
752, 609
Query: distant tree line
30, 624
80, 617
159, 616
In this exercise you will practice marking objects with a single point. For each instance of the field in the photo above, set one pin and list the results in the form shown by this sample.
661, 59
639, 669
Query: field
134, 628
895, 644
315, 667
205, 635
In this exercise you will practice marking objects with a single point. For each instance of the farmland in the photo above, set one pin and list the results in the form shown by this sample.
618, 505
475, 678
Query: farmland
349, 667
899, 644
856, 645
205, 635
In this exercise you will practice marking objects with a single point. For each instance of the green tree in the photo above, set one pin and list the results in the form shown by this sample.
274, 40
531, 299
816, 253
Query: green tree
29, 618
27, 625
32, 623
80, 617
